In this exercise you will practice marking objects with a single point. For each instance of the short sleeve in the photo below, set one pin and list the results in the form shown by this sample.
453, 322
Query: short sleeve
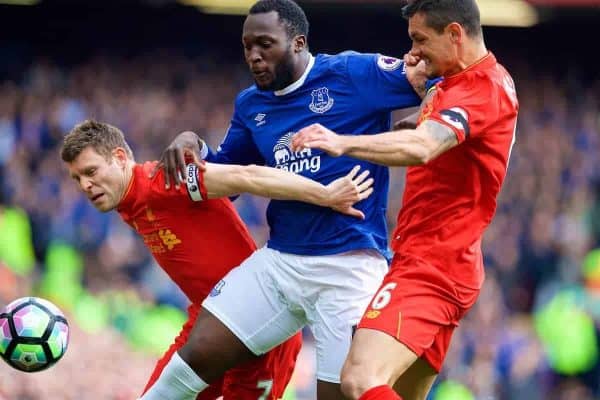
464, 107
158, 196
238, 146
381, 81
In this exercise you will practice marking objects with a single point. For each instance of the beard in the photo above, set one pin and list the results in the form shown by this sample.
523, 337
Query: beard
283, 75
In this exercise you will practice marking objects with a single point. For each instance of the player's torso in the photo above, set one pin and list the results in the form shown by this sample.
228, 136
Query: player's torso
448, 202
329, 98
195, 243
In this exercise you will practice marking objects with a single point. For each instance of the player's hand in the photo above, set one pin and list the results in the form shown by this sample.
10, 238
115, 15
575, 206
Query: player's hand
416, 73
173, 158
316, 136
344, 192
408, 122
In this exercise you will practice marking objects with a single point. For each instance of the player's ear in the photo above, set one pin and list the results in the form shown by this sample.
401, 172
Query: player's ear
299, 43
455, 31
120, 156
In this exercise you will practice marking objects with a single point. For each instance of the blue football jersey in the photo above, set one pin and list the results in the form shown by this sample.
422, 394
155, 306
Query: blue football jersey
349, 93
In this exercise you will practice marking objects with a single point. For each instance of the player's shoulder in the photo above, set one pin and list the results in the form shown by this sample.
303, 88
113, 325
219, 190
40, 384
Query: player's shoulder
143, 182
246, 96
470, 86
146, 168
357, 64
140, 187
344, 57
343, 60
485, 78
492, 85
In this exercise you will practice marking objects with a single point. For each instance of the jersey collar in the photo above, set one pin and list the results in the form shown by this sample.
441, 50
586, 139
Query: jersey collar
289, 89
483, 63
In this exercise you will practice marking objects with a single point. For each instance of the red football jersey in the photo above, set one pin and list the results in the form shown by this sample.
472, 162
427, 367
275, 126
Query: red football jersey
449, 201
196, 243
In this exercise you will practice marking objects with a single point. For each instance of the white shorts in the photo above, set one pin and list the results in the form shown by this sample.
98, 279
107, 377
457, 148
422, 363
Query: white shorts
272, 295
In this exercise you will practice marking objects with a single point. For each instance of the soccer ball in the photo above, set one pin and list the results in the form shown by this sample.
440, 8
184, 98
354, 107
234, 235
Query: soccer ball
33, 334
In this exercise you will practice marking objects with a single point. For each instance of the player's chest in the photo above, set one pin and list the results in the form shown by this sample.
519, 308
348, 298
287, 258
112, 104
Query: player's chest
159, 235
274, 124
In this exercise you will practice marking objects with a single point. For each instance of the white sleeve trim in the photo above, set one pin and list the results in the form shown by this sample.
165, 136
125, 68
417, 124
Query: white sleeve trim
203, 150
193, 187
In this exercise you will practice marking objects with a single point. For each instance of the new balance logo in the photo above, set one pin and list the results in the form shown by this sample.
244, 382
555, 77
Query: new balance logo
260, 119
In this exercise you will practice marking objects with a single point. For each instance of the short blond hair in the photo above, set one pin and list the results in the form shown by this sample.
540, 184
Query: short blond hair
103, 138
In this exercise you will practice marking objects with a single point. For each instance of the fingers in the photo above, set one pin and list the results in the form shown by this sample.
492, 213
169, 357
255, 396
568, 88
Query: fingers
167, 179
316, 144
199, 163
353, 172
300, 140
297, 141
359, 179
364, 194
170, 168
404, 124
411, 60
365, 186
353, 212
180, 166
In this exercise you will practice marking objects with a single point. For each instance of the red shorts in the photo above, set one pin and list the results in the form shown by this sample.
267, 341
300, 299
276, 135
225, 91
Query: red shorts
266, 377
420, 307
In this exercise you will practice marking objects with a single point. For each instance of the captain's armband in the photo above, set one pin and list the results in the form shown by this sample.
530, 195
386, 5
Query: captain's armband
195, 183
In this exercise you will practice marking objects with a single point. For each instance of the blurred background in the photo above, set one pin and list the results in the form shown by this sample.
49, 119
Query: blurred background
157, 67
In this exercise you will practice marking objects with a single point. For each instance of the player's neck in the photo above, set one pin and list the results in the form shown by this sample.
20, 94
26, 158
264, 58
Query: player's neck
127, 177
473, 52
301, 65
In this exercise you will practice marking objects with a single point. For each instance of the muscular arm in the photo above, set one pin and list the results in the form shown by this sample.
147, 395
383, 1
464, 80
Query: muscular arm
400, 147
404, 147
226, 180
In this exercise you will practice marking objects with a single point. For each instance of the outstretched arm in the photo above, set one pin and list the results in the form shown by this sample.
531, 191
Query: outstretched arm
397, 148
226, 180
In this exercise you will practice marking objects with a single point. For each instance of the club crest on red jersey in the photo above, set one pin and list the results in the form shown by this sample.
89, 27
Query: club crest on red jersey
425, 113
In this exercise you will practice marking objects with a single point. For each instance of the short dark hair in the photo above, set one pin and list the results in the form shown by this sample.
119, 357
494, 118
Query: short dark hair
103, 138
290, 14
440, 13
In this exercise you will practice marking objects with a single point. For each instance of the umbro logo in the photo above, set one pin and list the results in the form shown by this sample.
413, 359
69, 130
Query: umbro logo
260, 119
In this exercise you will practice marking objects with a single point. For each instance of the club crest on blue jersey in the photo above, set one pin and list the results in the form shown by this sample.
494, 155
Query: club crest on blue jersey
321, 101
217, 289
294, 161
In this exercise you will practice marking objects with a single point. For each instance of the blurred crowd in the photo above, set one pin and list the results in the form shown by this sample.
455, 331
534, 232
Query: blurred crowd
537, 297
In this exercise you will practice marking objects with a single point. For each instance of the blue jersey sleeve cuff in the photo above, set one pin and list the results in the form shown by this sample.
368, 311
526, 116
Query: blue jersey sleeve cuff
206, 153
430, 84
